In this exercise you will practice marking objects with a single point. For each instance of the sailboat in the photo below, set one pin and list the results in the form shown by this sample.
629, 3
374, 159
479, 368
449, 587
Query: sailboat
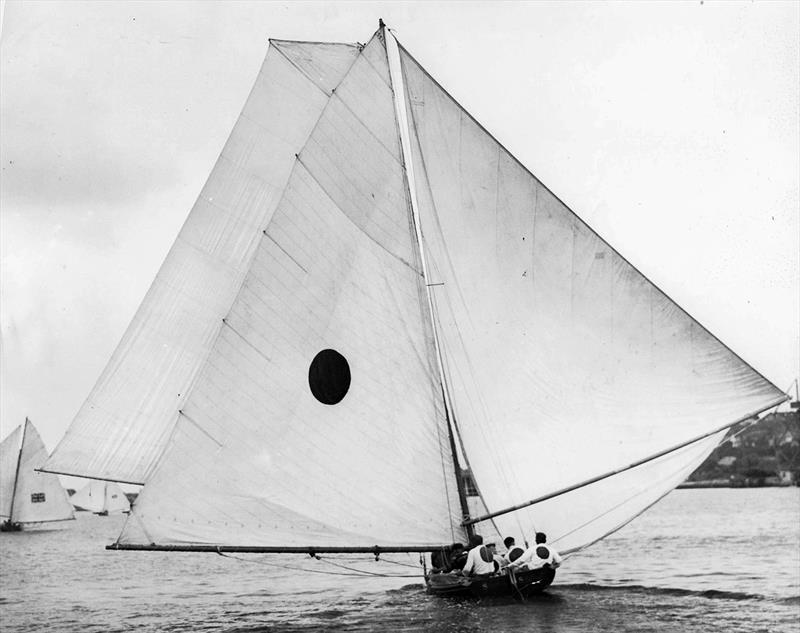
101, 497
368, 333
28, 497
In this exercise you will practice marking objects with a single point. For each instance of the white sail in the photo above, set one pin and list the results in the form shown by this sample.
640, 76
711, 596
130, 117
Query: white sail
101, 496
125, 421
279, 386
9, 456
256, 458
38, 497
564, 362
91, 497
115, 499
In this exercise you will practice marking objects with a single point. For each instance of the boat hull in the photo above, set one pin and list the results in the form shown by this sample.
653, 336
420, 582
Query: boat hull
520, 584
8, 526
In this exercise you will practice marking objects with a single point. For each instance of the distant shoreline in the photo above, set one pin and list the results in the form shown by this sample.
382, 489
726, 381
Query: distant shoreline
727, 484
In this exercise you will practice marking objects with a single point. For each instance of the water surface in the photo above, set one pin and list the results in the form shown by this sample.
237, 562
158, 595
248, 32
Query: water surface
700, 560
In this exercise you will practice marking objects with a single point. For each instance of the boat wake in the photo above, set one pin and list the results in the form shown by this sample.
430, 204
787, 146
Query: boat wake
711, 594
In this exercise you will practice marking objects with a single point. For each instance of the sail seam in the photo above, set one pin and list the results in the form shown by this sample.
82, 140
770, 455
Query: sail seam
302, 71
586, 224
360, 228
371, 133
377, 72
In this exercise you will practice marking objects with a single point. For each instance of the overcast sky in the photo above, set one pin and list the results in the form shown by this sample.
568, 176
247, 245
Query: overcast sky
671, 128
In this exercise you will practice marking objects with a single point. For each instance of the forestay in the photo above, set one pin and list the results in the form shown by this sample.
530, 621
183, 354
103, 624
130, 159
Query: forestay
275, 448
563, 360
124, 423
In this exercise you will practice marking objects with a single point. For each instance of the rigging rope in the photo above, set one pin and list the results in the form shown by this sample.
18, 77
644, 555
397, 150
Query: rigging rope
351, 571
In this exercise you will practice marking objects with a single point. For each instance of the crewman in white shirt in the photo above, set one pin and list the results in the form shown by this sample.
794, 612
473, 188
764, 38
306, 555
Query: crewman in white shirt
479, 560
538, 555
513, 551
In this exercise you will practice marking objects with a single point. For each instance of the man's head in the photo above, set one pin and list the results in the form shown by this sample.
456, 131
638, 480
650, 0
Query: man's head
475, 540
457, 547
509, 542
541, 537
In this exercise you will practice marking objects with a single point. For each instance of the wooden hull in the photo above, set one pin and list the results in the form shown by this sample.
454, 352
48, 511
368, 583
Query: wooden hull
520, 584
7, 526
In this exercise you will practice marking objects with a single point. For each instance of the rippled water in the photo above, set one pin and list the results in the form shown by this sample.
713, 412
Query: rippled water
700, 560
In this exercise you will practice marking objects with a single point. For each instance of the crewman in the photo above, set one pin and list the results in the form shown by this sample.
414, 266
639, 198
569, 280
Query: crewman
513, 551
538, 555
479, 560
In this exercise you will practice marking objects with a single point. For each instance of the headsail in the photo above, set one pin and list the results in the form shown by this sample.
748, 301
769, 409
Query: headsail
127, 418
9, 456
564, 361
37, 497
317, 417
101, 496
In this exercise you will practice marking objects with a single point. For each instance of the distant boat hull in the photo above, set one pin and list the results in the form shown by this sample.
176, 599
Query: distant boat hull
522, 584
8, 526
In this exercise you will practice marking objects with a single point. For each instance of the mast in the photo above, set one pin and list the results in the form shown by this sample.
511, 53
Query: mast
395, 74
16, 473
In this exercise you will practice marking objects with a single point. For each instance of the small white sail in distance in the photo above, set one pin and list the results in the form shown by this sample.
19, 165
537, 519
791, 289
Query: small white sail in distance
303, 241
101, 497
26, 495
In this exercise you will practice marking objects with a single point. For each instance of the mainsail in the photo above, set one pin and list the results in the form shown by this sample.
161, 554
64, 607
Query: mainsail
101, 497
125, 422
256, 458
28, 496
297, 378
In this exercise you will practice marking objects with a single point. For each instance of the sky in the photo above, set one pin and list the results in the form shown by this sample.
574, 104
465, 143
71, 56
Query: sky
671, 128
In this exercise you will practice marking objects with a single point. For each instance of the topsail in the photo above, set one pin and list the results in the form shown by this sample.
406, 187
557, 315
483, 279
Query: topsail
369, 290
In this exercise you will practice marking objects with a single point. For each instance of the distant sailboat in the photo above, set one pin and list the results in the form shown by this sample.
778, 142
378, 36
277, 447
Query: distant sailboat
26, 496
101, 497
371, 293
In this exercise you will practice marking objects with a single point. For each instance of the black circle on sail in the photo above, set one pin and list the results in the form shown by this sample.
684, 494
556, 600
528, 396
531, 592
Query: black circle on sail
329, 376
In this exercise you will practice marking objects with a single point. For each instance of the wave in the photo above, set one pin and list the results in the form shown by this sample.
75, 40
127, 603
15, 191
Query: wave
712, 594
